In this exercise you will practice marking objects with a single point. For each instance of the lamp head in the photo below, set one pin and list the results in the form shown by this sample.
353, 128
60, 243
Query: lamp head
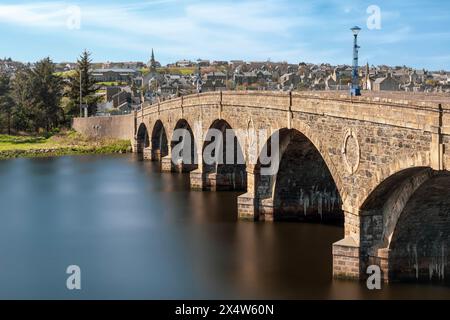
355, 30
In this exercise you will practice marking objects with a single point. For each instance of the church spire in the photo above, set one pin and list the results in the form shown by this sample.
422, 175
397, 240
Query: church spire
152, 62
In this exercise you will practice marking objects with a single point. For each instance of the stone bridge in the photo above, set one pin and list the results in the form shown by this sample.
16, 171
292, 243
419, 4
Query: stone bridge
378, 165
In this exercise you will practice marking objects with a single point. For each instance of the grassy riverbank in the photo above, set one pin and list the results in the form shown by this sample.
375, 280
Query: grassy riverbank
66, 143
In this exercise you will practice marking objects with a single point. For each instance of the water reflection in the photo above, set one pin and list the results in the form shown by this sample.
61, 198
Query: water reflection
137, 233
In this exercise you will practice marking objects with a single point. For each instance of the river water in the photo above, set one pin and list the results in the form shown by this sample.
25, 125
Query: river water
138, 234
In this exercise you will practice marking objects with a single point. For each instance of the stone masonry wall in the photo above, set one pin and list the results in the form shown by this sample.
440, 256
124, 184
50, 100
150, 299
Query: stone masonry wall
117, 127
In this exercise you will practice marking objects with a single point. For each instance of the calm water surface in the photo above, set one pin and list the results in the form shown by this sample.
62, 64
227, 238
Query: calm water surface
140, 234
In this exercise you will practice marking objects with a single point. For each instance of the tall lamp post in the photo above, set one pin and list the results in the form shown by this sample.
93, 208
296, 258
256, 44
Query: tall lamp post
198, 80
355, 89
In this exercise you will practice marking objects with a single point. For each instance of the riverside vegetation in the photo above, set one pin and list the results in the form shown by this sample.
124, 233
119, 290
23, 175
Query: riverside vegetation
58, 144
40, 104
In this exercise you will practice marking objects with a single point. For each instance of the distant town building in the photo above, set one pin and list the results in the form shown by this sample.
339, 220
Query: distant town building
220, 63
289, 80
236, 62
110, 75
184, 63
387, 83
218, 76
203, 63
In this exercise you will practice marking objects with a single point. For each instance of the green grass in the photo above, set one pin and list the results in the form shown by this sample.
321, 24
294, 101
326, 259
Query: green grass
66, 74
110, 83
144, 71
177, 70
60, 144
22, 142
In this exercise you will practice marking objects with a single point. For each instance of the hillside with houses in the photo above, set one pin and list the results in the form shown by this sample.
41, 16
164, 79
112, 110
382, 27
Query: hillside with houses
123, 86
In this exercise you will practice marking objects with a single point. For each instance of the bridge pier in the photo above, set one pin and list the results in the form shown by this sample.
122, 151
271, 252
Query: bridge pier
134, 145
381, 259
248, 203
346, 252
197, 176
147, 154
167, 164
346, 259
247, 207
197, 179
156, 155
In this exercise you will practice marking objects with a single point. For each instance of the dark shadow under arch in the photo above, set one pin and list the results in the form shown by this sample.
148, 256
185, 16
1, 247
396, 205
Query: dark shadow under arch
302, 188
405, 226
186, 160
228, 172
420, 244
160, 146
142, 138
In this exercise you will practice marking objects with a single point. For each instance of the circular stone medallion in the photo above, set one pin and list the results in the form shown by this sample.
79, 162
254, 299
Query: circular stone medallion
351, 151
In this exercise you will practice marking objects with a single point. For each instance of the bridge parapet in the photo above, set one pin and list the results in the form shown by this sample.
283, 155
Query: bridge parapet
395, 113
208, 98
267, 100
413, 113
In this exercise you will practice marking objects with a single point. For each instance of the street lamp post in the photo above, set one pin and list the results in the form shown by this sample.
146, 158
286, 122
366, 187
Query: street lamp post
355, 89
198, 80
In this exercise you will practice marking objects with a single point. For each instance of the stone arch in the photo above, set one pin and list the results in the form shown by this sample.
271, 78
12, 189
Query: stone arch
160, 146
223, 162
405, 225
183, 139
386, 171
420, 246
301, 186
142, 138
311, 135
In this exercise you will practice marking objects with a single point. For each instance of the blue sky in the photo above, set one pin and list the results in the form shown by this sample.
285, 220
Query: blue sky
413, 32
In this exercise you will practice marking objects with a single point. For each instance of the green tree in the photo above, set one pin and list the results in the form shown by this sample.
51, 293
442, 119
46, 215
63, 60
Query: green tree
46, 95
6, 101
22, 118
37, 94
88, 87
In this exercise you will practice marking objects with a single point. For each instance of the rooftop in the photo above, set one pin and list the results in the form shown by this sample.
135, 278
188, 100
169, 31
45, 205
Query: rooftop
412, 98
121, 70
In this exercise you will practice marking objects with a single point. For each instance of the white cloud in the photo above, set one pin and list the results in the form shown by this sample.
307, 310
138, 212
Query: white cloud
315, 31
46, 15
208, 30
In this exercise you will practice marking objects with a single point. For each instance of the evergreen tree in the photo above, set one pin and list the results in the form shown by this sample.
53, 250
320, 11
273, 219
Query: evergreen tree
37, 95
6, 101
88, 87
22, 118
46, 93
